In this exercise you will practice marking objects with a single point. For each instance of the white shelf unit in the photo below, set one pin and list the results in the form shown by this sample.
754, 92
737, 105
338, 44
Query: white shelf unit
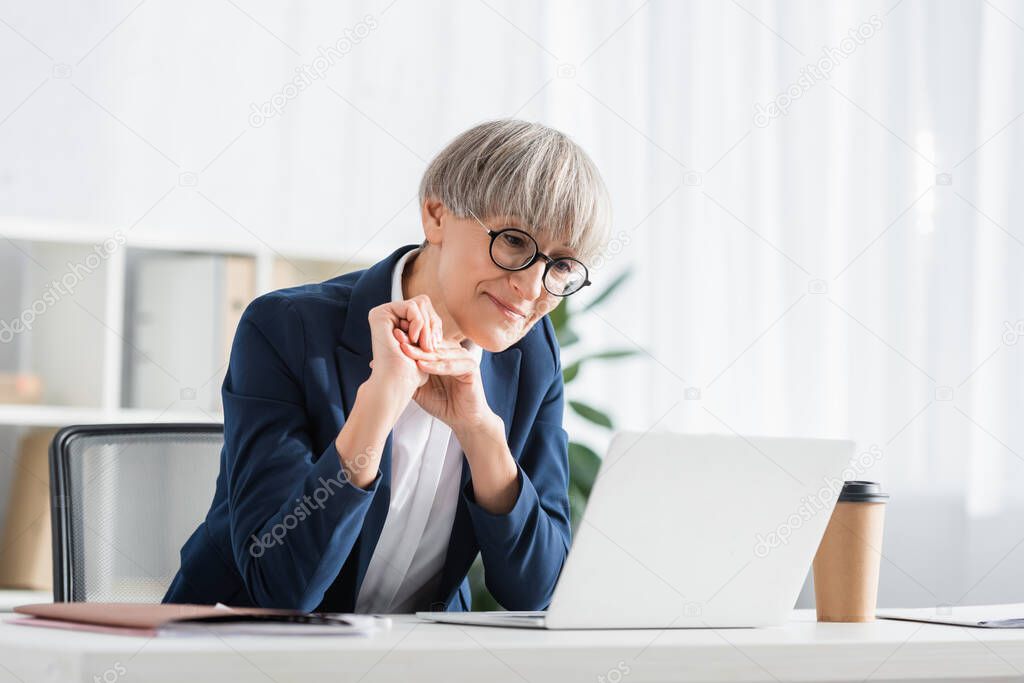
58, 416
76, 344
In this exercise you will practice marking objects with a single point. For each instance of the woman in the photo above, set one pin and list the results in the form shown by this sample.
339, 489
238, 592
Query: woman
385, 426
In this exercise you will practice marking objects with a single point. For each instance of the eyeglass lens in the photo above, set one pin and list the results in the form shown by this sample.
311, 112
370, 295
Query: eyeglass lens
513, 249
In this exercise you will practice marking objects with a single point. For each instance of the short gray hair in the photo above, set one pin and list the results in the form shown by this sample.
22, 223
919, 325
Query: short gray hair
527, 171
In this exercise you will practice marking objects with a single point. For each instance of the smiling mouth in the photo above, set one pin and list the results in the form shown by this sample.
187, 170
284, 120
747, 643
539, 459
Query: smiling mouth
505, 309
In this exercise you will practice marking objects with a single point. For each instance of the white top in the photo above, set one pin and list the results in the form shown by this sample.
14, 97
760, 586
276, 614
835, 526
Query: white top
426, 470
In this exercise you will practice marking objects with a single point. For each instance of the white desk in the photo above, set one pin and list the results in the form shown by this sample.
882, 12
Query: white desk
9, 598
413, 650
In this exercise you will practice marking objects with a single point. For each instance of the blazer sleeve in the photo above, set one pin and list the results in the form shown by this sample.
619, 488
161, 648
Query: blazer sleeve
524, 549
294, 517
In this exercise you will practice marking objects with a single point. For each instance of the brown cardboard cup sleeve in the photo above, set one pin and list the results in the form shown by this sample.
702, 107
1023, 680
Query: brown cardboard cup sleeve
847, 563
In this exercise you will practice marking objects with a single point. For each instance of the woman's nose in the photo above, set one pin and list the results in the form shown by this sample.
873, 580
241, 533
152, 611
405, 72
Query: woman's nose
529, 282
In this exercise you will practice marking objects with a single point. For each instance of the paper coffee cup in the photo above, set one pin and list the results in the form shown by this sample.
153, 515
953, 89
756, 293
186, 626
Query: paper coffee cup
848, 559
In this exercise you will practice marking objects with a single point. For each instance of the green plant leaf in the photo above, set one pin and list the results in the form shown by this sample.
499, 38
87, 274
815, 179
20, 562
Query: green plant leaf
583, 466
566, 337
609, 290
569, 373
482, 598
590, 413
614, 353
577, 503
560, 316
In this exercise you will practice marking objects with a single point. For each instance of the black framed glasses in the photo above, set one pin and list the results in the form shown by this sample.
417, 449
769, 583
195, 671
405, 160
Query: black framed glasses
515, 249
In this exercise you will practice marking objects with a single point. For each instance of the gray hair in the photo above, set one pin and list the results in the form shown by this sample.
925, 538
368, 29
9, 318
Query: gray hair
517, 169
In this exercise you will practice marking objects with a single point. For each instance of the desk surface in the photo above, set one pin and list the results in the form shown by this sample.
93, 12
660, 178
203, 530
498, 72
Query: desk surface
9, 598
801, 650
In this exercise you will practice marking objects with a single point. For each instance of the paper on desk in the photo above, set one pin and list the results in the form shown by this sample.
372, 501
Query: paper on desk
976, 616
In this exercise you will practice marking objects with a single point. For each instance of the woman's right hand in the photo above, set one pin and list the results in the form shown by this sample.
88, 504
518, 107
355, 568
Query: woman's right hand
391, 367
394, 379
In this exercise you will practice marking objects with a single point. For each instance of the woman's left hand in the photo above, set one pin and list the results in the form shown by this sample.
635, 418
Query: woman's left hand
454, 390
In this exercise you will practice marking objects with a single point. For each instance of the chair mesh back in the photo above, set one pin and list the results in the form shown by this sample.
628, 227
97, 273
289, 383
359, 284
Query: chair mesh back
132, 501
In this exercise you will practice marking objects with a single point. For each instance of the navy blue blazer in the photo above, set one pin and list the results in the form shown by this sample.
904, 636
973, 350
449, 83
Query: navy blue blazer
285, 529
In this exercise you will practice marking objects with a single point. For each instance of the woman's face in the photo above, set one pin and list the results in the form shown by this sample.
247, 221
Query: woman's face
479, 295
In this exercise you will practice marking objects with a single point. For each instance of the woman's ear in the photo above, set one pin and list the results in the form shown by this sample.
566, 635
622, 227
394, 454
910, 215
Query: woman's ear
433, 212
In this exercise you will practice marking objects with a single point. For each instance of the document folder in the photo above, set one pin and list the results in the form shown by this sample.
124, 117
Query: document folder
163, 619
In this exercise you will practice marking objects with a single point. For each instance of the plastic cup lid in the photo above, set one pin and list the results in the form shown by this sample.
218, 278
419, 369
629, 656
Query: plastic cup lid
862, 492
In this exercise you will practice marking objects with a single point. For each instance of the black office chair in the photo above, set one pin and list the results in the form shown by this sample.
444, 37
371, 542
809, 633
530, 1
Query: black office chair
124, 498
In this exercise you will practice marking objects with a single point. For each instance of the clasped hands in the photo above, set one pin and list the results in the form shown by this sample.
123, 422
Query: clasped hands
411, 355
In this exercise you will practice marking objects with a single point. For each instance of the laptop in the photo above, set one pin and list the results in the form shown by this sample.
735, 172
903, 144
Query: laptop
691, 531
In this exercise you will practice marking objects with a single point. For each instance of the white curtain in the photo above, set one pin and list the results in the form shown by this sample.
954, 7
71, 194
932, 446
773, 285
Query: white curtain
850, 268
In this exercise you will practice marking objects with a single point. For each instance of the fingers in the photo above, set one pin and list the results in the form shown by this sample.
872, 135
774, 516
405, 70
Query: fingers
431, 337
427, 337
417, 317
403, 325
450, 366
444, 350
411, 314
416, 321
437, 325
446, 360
